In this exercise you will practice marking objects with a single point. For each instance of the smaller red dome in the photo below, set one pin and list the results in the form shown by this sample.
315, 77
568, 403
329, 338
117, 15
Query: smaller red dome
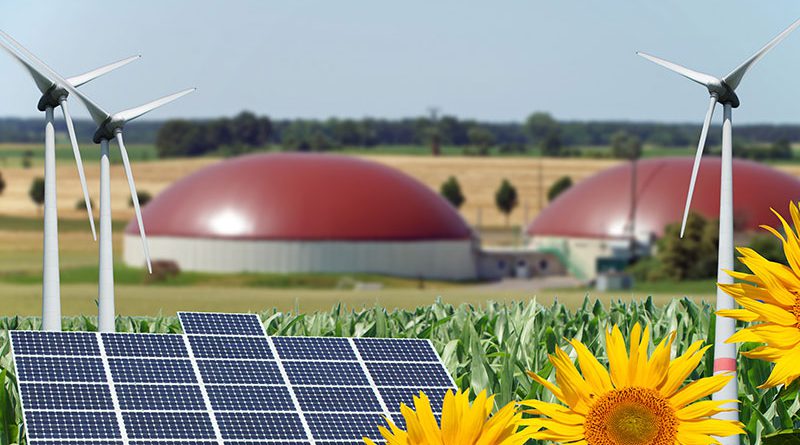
301, 197
599, 206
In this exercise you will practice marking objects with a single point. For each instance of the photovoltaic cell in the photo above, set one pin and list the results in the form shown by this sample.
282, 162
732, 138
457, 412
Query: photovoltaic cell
230, 347
249, 398
144, 345
67, 396
72, 425
260, 372
160, 397
314, 348
326, 373
172, 425
345, 426
238, 425
383, 349
220, 324
138, 370
409, 374
54, 343
321, 399
60, 369
77, 442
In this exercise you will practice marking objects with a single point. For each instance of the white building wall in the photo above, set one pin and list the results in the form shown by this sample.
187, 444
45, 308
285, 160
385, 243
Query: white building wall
447, 260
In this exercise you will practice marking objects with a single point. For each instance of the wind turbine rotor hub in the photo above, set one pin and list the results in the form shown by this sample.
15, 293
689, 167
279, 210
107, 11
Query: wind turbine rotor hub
52, 97
107, 130
726, 95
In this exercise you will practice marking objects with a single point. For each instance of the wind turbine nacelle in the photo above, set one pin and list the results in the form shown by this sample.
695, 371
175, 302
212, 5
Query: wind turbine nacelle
107, 130
52, 97
724, 93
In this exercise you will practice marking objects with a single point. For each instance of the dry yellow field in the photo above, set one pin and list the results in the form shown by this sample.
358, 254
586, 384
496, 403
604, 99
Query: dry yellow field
479, 178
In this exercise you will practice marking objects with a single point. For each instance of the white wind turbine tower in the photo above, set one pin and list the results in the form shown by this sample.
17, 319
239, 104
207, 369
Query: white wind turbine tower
54, 94
722, 91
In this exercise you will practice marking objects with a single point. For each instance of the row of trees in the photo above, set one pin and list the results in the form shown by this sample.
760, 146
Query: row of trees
505, 198
246, 132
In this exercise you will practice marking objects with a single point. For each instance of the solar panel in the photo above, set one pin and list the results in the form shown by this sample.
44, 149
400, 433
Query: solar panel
223, 382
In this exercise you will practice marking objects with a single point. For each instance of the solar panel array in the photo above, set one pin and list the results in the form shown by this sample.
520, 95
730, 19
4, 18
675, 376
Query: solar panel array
223, 382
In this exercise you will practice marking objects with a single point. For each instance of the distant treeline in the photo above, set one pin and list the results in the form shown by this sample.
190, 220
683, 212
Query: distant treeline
247, 131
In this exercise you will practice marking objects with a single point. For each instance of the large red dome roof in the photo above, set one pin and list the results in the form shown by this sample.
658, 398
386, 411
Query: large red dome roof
301, 197
599, 206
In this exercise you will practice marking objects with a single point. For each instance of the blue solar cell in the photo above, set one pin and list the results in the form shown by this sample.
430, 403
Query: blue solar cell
409, 374
396, 350
249, 398
325, 373
279, 442
230, 347
55, 343
144, 345
314, 348
160, 397
345, 426
237, 425
393, 397
168, 425
76, 442
66, 396
258, 372
60, 369
400, 421
220, 324
325, 399
169, 442
133, 370
72, 425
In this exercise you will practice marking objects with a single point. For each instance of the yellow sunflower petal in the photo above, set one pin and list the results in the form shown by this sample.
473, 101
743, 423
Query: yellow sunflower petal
617, 357
594, 373
698, 389
776, 335
785, 370
714, 427
681, 367
705, 408
768, 312
738, 314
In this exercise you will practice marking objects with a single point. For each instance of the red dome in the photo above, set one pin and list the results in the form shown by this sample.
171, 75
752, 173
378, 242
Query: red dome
599, 206
301, 197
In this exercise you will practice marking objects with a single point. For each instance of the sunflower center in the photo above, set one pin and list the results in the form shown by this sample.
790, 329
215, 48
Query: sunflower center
796, 309
631, 416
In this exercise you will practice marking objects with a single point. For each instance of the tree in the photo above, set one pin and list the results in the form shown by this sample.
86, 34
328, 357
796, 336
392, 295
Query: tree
539, 125
2, 183
451, 191
144, 198
695, 255
781, 149
550, 145
481, 138
80, 204
626, 146
558, 187
36, 193
27, 159
251, 130
506, 198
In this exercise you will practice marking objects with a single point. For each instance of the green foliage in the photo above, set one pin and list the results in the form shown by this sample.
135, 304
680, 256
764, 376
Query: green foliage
27, 159
489, 347
481, 138
558, 187
692, 257
180, 137
539, 125
144, 198
551, 145
625, 146
36, 192
451, 191
505, 198
2, 183
80, 204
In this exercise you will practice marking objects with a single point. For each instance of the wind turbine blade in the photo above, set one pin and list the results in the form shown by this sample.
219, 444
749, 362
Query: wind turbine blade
697, 157
696, 76
735, 77
135, 197
42, 81
133, 113
98, 114
82, 79
77, 152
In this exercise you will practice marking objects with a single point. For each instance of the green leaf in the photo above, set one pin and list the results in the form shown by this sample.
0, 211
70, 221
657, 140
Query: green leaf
786, 437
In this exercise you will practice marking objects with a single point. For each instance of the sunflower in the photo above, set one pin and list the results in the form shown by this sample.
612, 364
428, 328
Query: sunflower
642, 401
772, 297
462, 423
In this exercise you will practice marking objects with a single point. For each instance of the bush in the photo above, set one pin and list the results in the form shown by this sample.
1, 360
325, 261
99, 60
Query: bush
80, 204
144, 198
451, 191
559, 187
163, 270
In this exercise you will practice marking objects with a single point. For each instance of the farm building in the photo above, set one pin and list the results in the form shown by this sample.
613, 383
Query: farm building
289, 213
590, 223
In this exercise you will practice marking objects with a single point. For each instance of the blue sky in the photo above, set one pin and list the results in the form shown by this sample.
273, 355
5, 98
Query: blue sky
494, 61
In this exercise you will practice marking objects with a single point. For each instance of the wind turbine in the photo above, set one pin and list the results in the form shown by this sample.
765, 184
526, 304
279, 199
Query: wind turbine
722, 91
54, 94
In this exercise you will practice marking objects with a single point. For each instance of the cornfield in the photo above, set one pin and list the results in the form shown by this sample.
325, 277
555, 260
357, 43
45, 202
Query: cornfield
489, 347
